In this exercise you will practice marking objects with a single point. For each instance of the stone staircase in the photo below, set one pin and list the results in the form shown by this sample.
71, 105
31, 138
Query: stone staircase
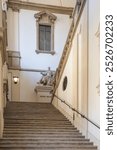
35, 126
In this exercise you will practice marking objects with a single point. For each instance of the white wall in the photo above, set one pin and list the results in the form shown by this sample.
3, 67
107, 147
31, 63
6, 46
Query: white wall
29, 59
76, 71
94, 68
27, 86
28, 41
82, 70
22, 26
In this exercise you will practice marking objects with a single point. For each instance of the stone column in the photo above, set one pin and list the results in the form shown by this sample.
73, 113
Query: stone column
13, 48
16, 29
13, 29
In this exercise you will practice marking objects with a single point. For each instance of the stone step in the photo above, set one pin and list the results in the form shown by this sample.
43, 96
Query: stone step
42, 135
40, 126
49, 145
34, 126
44, 121
35, 117
44, 139
40, 132
14, 121
45, 142
38, 120
41, 129
43, 148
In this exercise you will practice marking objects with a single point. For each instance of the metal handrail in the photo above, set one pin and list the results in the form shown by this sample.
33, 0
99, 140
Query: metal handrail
73, 109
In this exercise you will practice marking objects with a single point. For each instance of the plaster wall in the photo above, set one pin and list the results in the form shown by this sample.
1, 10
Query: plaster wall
94, 69
82, 70
64, 3
22, 38
76, 72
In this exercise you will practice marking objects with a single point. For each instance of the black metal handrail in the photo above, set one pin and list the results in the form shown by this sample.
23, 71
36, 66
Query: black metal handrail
73, 109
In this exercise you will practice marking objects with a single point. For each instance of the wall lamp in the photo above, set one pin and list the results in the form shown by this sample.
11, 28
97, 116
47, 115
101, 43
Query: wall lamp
15, 79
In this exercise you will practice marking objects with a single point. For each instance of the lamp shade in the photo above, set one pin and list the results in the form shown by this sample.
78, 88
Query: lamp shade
15, 79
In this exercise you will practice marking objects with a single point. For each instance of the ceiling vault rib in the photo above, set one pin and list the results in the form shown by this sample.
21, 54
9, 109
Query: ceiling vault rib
39, 7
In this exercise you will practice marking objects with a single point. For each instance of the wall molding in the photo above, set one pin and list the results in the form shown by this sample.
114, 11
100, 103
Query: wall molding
28, 69
16, 5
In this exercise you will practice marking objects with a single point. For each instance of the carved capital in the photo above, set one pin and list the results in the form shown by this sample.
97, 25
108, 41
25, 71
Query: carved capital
15, 9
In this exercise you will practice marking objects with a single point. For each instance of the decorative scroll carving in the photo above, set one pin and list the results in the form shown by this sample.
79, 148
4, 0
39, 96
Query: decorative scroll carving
50, 17
15, 8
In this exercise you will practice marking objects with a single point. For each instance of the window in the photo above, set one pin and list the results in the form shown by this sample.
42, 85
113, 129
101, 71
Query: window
45, 32
65, 81
45, 37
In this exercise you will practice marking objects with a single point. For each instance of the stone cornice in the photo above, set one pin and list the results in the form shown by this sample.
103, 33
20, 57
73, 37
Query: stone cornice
28, 69
39, 7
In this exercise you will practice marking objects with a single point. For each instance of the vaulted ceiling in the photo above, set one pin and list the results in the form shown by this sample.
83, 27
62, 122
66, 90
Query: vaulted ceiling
64, 3
55, 6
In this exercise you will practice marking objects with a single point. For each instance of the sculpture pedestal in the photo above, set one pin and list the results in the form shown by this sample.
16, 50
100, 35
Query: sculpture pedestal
43, 93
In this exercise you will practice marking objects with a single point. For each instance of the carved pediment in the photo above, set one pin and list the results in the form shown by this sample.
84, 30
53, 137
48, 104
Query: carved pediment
47, 14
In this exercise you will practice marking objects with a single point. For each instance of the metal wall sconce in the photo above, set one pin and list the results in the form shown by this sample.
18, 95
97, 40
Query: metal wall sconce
15, 79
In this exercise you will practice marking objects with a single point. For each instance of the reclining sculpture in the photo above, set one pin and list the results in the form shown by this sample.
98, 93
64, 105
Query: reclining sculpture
47, 78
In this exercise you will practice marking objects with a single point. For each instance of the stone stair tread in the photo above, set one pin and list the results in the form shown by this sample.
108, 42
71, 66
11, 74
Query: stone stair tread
28, 148
35, 126
37, 145
41, 139
49, 136
46, 142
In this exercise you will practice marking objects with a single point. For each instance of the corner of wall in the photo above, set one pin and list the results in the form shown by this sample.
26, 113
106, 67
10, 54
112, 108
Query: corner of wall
94, 139
1, 123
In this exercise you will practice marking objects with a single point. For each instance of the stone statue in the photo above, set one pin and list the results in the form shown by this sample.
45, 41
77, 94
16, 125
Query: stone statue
47, 78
